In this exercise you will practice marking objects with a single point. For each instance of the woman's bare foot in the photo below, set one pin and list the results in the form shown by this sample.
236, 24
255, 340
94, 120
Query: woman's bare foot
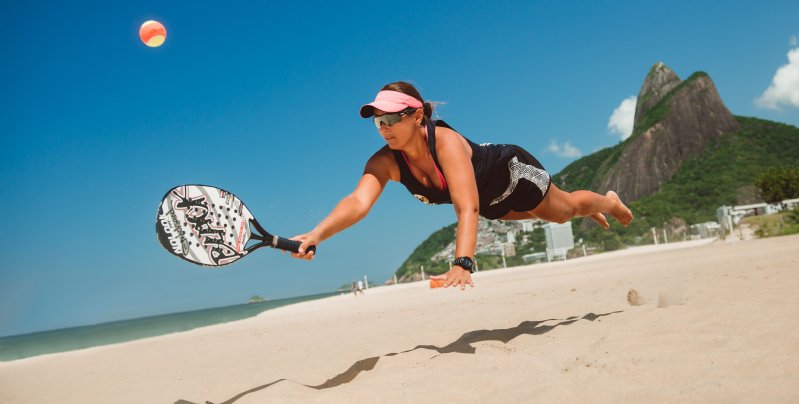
620, 210
600, 218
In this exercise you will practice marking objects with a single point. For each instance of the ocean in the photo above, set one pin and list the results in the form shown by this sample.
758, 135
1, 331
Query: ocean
69, 339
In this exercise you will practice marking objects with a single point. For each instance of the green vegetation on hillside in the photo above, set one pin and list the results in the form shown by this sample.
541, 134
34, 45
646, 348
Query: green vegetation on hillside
536, 241
713, 178
777, 224
778, 183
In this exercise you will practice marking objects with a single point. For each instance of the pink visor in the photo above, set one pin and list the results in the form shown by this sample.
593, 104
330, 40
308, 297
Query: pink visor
390, 101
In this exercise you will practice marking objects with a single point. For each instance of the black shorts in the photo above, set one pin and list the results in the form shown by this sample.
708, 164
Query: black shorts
516, 182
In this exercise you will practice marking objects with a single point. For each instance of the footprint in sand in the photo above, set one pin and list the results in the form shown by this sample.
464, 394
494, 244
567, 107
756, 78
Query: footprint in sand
634, 298
665, 298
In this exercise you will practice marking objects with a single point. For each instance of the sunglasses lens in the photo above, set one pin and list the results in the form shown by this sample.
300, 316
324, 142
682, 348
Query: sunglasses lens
387, 119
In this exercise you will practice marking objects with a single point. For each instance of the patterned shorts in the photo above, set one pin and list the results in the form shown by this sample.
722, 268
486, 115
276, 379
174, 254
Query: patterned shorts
518, 183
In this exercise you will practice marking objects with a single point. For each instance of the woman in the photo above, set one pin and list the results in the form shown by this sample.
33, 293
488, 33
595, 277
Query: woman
438, 165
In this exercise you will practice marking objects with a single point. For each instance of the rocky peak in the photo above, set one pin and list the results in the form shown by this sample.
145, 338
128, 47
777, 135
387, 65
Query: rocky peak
659, 82
670, 127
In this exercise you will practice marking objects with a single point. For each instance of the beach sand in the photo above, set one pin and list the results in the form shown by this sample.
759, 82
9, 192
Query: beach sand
696, 322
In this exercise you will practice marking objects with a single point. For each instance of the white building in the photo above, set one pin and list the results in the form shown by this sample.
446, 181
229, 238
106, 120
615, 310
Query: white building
511, 237
531, 224
704, 230
730, 216
790, 204
560, 239
534, 257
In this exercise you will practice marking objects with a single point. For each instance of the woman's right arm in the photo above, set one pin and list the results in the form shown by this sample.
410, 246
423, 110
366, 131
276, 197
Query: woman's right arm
380, 168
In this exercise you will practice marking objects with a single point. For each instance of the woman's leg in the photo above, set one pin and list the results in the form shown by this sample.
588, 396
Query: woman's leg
560, 206
513, 215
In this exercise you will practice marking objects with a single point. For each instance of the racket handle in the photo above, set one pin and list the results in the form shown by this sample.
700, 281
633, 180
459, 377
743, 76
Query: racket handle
291, 245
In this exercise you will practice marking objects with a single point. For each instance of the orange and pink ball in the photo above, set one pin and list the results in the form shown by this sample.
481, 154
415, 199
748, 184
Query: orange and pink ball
152, 33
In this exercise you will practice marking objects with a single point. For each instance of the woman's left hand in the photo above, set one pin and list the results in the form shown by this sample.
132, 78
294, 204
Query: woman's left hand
456, 276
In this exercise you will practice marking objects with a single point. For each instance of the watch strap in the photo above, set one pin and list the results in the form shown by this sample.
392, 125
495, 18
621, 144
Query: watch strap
464, 262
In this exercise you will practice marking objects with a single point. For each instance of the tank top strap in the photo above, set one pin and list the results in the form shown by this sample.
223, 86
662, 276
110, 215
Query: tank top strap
402, 163
431, 140
431, 143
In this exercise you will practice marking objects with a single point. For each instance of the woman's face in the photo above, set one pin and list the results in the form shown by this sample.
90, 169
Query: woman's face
400, 133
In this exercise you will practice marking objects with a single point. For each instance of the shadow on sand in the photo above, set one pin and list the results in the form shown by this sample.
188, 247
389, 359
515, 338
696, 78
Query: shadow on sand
461, 345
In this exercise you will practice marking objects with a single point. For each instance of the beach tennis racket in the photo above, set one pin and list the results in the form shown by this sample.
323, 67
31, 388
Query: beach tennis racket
209, 226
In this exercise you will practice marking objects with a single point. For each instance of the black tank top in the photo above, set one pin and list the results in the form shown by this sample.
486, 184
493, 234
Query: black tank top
486, 158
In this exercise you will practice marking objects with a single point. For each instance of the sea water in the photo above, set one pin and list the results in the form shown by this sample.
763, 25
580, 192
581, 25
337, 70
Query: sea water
68, 339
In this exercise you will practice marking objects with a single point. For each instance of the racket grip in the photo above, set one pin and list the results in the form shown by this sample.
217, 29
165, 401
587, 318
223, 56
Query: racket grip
292, 245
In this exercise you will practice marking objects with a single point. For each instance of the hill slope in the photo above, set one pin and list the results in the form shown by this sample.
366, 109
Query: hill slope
723, 173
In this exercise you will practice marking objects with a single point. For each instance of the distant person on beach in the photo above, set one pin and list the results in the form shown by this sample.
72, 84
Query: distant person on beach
360, 287
354, 289
438, 165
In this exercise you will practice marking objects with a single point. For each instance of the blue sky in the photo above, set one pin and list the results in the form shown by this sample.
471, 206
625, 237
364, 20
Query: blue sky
261, 98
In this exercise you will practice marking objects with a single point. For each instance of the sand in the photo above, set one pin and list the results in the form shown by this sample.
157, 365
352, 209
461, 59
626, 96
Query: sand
695, 322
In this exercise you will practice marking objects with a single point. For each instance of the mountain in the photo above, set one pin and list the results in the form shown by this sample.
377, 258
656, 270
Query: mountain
687, 156
674, 120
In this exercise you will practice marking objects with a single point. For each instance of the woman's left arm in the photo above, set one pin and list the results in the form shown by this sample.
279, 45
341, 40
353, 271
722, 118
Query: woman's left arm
455, 157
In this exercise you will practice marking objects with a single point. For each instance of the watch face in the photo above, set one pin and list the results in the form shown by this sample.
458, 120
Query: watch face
464, 262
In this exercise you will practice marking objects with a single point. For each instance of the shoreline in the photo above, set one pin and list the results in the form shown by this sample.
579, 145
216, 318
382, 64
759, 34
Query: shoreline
71, 339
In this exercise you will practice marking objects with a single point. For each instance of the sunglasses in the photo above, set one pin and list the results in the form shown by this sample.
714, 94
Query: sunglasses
391, 119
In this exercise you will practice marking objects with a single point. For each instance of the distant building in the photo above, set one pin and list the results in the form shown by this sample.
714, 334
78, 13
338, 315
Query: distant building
527, 225
509, 249
530, 224
511, 237
757, 209
560, 239
704, 230
534, 257
730, 216
790, 204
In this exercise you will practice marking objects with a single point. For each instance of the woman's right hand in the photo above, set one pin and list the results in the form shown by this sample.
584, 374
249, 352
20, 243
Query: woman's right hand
307, 240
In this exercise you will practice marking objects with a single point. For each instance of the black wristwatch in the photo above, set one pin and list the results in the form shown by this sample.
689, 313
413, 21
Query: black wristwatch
465, 263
